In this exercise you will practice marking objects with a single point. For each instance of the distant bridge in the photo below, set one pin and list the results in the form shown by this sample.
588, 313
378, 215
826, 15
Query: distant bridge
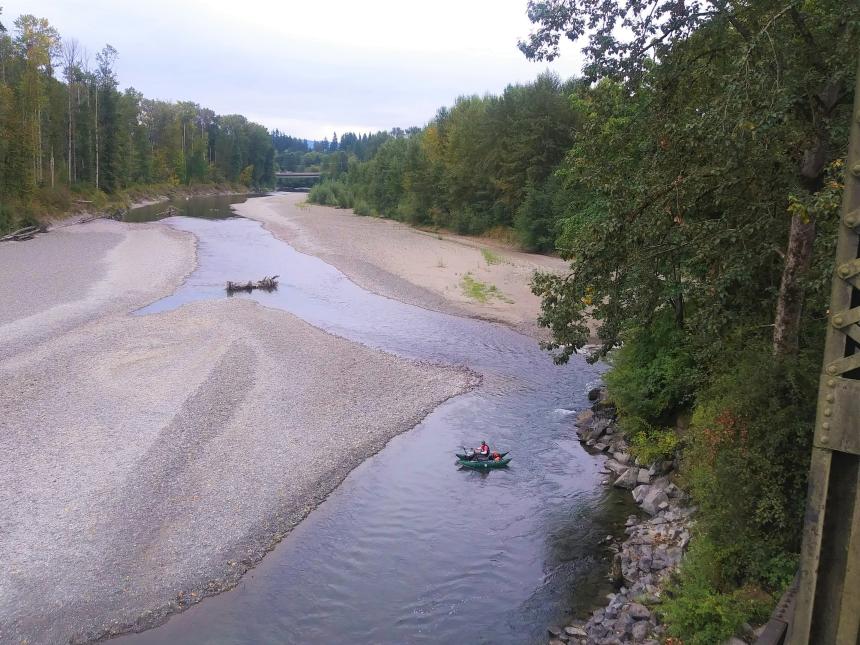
301, 181
286, 174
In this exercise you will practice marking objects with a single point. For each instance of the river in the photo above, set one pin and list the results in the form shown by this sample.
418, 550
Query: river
410, 548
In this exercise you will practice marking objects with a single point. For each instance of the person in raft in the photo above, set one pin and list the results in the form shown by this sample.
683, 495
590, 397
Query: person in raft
483, 452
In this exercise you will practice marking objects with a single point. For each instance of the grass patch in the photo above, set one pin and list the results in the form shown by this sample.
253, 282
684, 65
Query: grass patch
490, 257
481, 291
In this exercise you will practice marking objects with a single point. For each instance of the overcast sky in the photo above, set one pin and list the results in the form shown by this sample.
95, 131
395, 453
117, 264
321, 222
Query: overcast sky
308, 68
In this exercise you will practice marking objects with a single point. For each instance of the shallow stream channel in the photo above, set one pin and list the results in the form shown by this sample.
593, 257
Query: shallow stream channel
410, 548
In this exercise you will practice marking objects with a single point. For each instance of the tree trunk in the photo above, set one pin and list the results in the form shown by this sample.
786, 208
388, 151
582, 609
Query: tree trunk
97, 136
71, 154
789, 304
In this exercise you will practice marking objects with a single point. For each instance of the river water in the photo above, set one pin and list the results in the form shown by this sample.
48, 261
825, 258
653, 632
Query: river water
410, 548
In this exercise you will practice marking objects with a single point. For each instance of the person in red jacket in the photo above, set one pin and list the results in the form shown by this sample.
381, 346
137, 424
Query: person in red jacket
483, 452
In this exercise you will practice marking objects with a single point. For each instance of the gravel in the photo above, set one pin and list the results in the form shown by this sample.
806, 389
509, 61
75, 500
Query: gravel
149, 461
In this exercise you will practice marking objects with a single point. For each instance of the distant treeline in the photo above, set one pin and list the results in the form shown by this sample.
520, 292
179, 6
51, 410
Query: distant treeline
79, 134
486, 162
301, 154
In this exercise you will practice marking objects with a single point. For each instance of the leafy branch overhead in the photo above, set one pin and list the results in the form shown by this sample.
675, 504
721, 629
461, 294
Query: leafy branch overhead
710, 123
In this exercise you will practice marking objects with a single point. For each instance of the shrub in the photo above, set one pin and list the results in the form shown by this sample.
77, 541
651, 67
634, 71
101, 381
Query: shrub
653, 374
361, 207
649, 443
747, 461
322, 194
332, 193
700, 609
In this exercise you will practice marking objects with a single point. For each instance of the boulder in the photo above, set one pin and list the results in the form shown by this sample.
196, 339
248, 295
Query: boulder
661, 467
615, 466
652, 500
584, 418
628, 480
554, 631
639, 494
643, 477
638, 611
623, 624
598, 427
662, 483
621, 457
594, 394
576, 631
640, 631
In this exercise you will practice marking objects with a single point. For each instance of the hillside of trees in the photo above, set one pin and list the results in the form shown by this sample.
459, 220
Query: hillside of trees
692, 178
67, 132
485, 163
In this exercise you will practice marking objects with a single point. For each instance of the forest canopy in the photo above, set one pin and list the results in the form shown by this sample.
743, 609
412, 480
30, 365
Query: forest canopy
65, 126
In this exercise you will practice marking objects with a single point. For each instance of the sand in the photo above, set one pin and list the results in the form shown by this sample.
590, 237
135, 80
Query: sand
148, 461
408, 264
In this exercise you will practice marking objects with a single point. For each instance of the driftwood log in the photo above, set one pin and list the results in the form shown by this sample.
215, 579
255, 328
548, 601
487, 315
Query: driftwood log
170, 212
266, 284
21, 234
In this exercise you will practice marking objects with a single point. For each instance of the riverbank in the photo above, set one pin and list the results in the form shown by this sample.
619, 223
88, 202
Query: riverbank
50, 208
453, 274
148, 461
643, 563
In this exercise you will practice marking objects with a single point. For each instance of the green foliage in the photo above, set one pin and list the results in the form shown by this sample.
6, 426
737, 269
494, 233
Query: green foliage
690, 161
539, 218
653, 373
701, 609
361, 207
747, 460
491, 257
650, 443
481, 291
247, 175
84, 135
331, 192
470, 168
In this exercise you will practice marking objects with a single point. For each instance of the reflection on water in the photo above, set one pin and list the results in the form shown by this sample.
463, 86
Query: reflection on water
409, 548
210, 207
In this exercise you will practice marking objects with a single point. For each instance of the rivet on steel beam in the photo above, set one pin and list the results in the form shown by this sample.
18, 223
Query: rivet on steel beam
855, 170
838, 320
828, 412
824, 438
825, 425
830, 398
844, 271
851, 218
831, 382
831, 370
